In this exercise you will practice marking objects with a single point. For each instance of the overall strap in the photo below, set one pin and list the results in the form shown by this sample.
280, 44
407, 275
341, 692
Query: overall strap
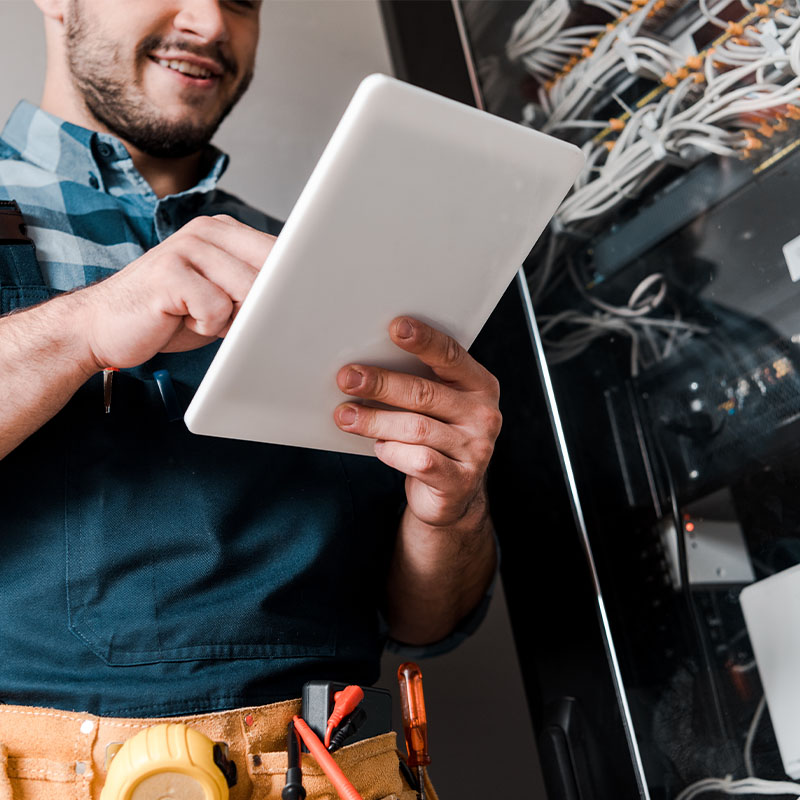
21, 282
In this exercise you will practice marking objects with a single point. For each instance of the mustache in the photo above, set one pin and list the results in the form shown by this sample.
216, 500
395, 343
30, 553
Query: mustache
214, 51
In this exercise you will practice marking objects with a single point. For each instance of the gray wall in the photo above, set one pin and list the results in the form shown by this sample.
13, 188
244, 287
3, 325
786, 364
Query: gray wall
312, 55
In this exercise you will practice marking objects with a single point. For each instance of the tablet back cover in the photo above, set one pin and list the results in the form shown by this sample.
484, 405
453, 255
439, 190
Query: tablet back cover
419, 205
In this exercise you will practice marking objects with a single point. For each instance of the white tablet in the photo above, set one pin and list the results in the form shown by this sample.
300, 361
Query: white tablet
419, 205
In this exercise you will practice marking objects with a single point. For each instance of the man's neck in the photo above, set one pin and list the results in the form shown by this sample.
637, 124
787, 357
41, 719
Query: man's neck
167, 175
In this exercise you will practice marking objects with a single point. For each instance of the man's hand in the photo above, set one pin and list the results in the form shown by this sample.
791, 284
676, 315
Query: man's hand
180, 295
444, 436
441, 436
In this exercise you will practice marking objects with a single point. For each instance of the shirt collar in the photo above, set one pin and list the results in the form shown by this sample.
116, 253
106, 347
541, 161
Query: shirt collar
85, 156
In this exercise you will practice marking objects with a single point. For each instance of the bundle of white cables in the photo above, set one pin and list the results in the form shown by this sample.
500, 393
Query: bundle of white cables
749, 78
679, 125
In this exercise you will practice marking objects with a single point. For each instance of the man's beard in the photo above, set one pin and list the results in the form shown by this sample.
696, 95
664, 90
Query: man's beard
120, 105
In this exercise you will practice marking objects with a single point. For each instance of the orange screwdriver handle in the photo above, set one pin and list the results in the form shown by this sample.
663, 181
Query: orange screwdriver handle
415, 721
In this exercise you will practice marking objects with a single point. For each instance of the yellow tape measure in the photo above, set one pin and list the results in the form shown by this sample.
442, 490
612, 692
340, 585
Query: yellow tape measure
165, 762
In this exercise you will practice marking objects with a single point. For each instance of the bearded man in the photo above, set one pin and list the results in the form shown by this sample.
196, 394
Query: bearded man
148, 573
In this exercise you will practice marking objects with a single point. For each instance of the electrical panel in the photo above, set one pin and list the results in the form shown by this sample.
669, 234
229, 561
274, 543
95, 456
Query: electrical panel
666, 299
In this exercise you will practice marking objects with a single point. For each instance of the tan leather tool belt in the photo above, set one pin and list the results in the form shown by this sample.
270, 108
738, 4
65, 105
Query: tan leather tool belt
49, 754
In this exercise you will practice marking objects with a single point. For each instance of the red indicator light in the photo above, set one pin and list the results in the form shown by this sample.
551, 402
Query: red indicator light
690, 526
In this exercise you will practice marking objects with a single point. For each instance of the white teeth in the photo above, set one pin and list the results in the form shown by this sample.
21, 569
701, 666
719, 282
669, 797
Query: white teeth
185, 67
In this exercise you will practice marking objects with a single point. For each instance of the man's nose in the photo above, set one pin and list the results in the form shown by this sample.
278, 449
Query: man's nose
202, 18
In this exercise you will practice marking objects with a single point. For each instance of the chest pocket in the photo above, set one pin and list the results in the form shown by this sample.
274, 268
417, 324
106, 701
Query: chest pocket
182, 547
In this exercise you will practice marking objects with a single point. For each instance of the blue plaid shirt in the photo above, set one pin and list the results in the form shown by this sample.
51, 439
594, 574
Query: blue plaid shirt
87, 208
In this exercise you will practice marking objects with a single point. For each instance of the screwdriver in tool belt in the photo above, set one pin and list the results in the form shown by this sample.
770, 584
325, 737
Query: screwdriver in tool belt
415, 722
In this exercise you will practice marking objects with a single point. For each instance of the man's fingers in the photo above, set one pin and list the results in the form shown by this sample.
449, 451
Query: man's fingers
240, 240
231, 274
398, 389
443, 354
400, 426
427, 465
205, 307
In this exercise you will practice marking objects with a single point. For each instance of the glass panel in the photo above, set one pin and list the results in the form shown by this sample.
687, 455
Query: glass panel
666, 296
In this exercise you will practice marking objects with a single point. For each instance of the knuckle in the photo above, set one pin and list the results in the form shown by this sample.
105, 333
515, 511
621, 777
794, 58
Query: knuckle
483, 451
453, 352
365, 421
376, 383
490, 420
174, 263
194, 226
422, 393
495, 423
190, 239
425, 461
419, 428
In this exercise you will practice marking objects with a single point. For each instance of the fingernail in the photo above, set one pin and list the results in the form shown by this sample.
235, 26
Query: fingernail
405, 329
347, 416
354, 378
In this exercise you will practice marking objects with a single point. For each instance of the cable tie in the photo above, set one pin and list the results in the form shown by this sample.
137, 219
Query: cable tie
528, 113
770, 43
620, 47
768, 27
649, 135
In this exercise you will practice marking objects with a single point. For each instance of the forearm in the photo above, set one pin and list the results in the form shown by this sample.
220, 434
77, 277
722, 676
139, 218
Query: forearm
439, 574
43, 362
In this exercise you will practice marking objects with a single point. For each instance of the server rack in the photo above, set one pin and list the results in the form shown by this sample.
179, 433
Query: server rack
649, 367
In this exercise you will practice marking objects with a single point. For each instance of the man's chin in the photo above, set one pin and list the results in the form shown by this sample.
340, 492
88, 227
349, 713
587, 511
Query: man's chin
165, 139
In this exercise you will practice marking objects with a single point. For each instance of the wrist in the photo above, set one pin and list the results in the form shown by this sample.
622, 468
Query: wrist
439, 574
64, 323
473, 518
434, 547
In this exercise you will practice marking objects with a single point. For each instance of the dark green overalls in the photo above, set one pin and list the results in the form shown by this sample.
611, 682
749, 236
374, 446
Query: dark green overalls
147, 571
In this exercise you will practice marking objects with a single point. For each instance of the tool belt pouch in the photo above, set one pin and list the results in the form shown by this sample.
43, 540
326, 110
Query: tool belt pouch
370, 765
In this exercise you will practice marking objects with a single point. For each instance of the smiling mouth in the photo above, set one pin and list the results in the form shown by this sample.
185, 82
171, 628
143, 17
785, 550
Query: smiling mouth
186, 68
